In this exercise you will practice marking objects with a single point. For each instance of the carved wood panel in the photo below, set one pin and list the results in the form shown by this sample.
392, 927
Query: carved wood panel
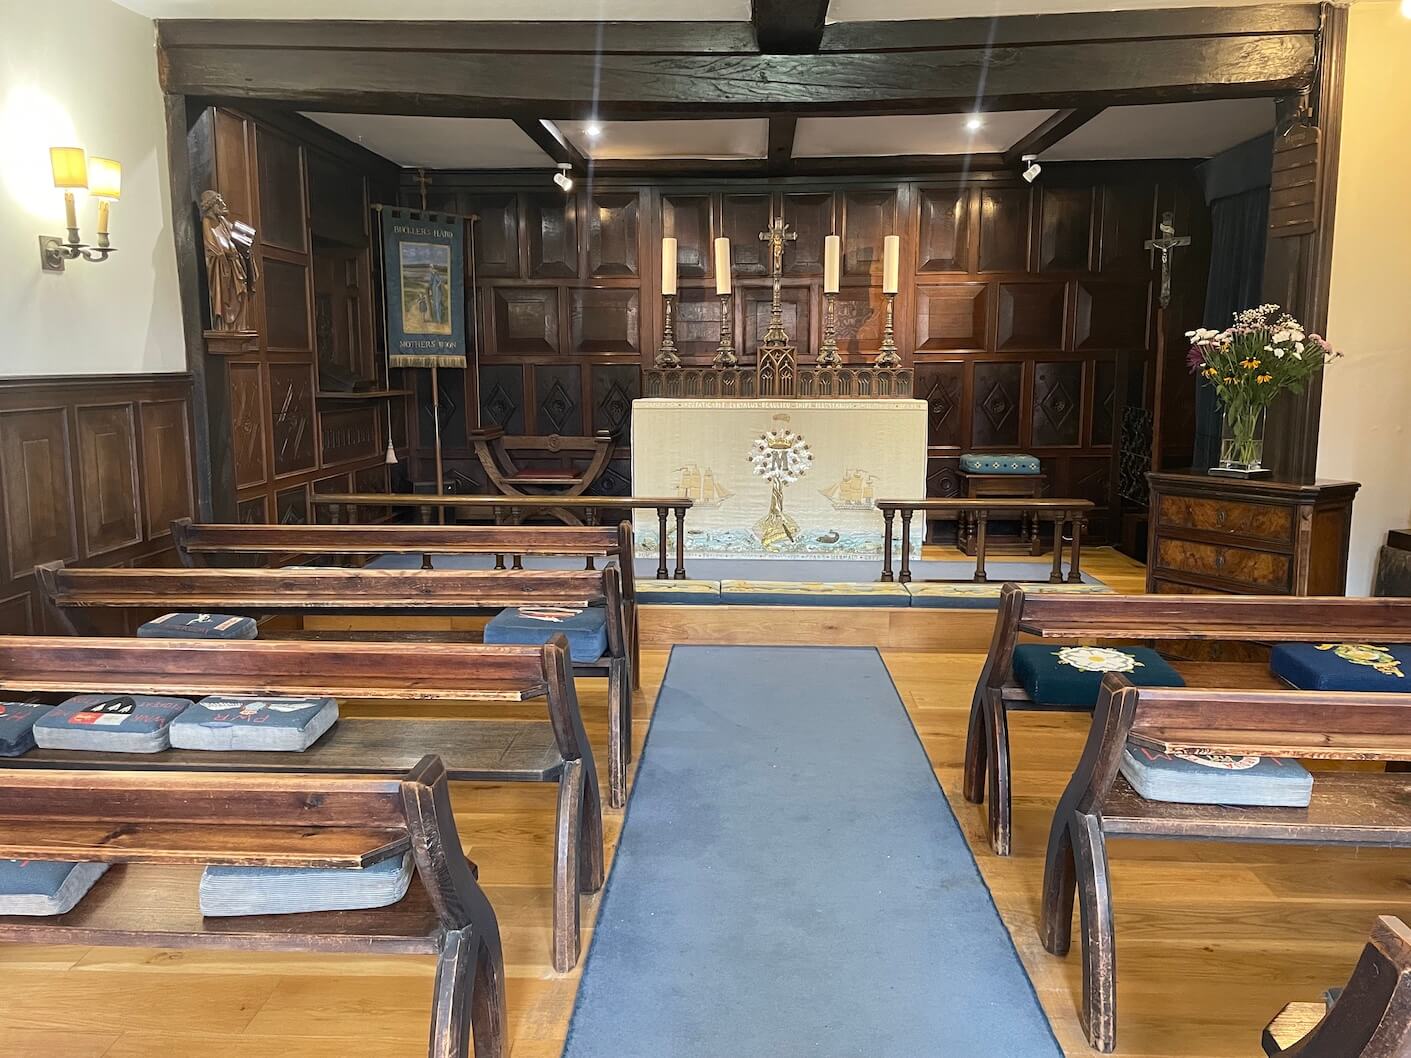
943, 478
868, 218
942, 387
291, 506
612, 235
551, 222
1111, 316
496, 235
254, 511
1128, 220
745, 216
811, 216
558, 399
1065, 228
291, 388
698, 326
107, 460
1030, 317
943, 245
1104, 401
1056, 417
686, 218
952, 317
998, 398
525, 320
794, 302
281, 191
247, 423
502, 396
39, 507
1004, 229
860, 313
167, 490
605, 320
286, 288
350, 434
614, 388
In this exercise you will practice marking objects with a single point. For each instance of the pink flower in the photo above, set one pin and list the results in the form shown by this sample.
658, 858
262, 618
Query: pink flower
1195, 358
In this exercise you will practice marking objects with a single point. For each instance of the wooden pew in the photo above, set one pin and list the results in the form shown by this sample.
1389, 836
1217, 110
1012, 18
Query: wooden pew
1127, 617
1359, 808
1371, 1017
71, 595
155, 826
554, 750
205, 545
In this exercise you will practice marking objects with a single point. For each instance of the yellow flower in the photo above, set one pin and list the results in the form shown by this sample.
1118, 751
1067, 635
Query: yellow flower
1251, 363
1210, 372
1229, 378
1265, 378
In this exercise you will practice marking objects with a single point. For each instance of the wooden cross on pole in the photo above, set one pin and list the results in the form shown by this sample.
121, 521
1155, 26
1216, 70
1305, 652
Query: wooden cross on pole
1169, 241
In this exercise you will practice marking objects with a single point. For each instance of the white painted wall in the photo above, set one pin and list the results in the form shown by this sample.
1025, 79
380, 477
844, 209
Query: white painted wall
84, 73
1365, 433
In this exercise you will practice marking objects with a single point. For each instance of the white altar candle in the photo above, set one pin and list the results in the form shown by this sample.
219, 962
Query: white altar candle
891, 263
668, 265
832, 262
722, 266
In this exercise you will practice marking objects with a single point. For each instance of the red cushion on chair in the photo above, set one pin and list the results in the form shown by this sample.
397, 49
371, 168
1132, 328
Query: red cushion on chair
547, 472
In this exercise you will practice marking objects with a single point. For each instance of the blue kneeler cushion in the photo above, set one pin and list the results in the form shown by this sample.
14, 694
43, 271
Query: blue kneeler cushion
253, 722
1216, 779
199, 626
17, 727
586, 629
1072, 676
812, 593
110, 723
45, 887
228, 891
999, 463
1343, 666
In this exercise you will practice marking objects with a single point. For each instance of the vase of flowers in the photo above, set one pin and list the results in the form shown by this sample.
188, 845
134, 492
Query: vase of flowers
1264, 353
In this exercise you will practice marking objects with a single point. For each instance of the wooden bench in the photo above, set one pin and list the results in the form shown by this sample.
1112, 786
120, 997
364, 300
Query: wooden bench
349, 507
1127, 617
154, 827
72, 596
1359, 808
204, 546
1057, 511
553, 750
1371, 1017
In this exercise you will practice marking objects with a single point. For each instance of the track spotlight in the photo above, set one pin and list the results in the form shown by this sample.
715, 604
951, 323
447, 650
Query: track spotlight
562, 177
1032, 172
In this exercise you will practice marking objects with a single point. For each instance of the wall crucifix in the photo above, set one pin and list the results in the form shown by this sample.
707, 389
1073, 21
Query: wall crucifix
1169, 241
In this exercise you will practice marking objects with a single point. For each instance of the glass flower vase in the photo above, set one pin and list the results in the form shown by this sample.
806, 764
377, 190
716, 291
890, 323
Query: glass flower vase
1241, 442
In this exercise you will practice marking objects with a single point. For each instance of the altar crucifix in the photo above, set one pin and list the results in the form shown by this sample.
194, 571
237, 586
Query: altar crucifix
1168, 241
776, 356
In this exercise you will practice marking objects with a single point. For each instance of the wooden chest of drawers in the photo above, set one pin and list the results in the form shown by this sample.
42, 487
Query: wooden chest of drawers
1255, 537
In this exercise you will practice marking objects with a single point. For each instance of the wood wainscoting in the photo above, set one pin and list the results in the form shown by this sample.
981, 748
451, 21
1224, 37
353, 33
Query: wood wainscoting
92, 471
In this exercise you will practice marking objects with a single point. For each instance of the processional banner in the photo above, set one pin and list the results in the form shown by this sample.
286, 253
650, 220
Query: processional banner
423, 261
783, 478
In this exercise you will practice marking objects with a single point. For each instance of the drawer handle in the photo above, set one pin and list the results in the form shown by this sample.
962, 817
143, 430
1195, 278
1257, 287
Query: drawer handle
1220, 516
1219, 560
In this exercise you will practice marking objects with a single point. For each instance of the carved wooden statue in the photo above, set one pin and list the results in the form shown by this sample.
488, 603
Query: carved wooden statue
231, 268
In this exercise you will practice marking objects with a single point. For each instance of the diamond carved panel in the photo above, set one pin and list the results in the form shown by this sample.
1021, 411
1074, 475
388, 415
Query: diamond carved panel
942, 387
1057, 418
995, 416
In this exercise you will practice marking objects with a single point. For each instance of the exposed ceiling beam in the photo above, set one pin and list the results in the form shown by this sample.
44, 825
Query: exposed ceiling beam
1058, 126
525, 85
788, 27
781, 143
551, 140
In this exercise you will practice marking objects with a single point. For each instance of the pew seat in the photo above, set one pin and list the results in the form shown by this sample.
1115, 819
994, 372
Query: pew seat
1343, 666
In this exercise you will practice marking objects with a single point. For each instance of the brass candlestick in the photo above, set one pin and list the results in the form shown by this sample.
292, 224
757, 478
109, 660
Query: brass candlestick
828, 351
889, 357
725, 353
666, 353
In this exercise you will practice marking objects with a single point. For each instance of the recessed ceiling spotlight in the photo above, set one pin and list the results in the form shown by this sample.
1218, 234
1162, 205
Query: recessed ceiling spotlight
974, 123
592, 130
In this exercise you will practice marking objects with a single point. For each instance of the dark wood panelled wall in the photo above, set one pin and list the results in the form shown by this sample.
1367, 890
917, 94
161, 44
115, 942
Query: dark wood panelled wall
278, 407
1027, 310
92, 470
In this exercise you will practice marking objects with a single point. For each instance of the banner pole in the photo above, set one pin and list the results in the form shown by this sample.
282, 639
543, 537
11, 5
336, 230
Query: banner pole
436, 421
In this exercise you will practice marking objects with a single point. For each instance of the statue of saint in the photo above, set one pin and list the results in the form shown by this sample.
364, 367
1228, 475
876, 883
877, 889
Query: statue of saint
231, 268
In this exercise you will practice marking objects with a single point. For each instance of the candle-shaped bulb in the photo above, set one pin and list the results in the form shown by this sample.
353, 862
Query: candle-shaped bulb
668, 265
722, 266
832, 263
891, 263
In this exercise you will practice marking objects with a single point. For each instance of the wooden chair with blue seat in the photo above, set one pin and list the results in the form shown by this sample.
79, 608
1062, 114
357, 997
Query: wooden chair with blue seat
1033, 677
1213, 765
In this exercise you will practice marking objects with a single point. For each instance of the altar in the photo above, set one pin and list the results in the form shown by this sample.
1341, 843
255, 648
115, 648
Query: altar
780, 478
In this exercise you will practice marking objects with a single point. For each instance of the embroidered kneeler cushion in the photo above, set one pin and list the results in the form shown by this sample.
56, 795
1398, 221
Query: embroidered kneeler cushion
45, 887
586, 629
199, 626
110, 723
253, 722
1216, 779
1343, 666
228, 891
17, 727
999, 463
1073, 675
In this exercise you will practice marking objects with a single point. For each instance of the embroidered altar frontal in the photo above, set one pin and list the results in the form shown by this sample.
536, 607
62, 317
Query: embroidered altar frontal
772, 478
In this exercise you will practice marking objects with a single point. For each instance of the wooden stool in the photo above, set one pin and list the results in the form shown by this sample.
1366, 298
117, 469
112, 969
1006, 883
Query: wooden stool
1000, 486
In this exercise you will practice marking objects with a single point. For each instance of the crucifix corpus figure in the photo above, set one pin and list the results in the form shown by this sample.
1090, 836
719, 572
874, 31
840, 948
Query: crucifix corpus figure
1169, 241
776, 235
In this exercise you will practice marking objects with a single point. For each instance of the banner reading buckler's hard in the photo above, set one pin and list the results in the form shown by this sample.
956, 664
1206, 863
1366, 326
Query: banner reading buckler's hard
423, 259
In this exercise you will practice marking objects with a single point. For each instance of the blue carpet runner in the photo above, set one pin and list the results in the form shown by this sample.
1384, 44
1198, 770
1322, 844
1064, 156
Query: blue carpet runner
791, 882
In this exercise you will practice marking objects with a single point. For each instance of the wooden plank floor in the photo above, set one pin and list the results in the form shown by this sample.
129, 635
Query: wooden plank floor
1211, 939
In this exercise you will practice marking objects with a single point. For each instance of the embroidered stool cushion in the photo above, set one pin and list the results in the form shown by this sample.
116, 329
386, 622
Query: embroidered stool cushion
45, 887
17, 727
586, 629
999, 463
1214, 779
1073, 675
110, 723
253, 722
297, 890
1343, 666
198, 626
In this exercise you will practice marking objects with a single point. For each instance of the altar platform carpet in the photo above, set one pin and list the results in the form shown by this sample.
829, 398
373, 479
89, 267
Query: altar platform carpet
791, 882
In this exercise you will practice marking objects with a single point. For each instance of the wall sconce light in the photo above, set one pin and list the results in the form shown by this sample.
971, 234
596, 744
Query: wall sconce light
102, 177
